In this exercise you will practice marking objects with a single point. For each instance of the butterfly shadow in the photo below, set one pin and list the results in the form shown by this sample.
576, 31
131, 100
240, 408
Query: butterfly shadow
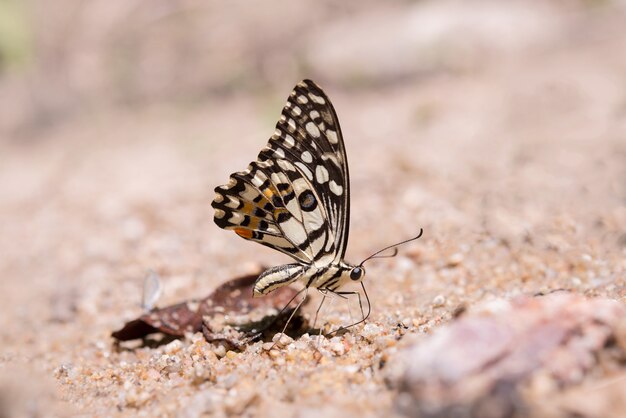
261, 330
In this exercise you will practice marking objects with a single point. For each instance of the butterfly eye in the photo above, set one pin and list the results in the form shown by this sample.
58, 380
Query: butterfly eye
356, 273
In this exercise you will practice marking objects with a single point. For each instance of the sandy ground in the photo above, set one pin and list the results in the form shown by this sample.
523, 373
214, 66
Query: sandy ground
514, 165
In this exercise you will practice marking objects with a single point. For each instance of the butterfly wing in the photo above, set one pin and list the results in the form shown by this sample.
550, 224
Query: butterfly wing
295, 198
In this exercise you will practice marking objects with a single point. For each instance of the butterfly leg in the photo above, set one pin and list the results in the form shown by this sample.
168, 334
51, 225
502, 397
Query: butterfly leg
319, 308
345, 295
325, 293
258, 334
306, 294
358, 294
364, 316
319, 337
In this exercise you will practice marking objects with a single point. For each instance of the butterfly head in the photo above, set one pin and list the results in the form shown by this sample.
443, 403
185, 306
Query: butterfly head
357, 273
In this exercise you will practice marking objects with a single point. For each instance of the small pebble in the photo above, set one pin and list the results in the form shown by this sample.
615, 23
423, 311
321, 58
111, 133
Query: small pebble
282, 340
173, 365
153, 374
454, 260
201, 373
337, 347
274, 353
220, 351
174, 347
371, 331
439, 301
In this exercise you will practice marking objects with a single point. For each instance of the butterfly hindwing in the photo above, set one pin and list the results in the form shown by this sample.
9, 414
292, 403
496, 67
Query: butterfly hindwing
242, 207
295, 197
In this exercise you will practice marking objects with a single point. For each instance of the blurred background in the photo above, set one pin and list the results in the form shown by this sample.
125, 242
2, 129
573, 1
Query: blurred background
82, 59
486, 122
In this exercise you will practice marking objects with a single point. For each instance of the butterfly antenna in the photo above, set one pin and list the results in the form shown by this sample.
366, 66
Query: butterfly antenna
394, 246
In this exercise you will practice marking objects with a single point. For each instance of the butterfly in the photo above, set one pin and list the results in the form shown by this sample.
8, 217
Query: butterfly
295, 198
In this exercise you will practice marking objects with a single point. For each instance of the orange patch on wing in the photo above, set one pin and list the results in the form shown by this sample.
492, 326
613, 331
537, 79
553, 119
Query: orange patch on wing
278, 211
247, 208
254, 223
244, 232
269, 194
287, 191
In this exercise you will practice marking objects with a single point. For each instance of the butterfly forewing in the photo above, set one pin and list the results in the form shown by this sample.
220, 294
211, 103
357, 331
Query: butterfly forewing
295, 197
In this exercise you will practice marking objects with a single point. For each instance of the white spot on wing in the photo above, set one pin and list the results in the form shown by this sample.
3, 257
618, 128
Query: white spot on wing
335, 188
285, 165
248, 193
278, 178
317, 99
321, 174
232, 203
332, 136
257, 180
305, 170
236, 218
289, 141
312, 129
314, 220
307, 157
279, 152
332, 157
302, 99
219, 213
294, 230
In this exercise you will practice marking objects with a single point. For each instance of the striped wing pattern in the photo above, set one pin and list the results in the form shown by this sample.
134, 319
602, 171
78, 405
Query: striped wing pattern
295, 197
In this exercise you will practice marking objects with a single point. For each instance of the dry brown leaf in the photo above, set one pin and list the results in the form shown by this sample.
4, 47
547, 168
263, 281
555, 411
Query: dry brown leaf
233, 298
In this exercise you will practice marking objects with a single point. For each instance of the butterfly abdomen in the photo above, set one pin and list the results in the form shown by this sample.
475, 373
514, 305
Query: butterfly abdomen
276, 277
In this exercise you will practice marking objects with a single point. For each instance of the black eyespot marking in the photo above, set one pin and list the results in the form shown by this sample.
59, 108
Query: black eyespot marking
277, 202
288, 197
356, 273
307, 201
282, 216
